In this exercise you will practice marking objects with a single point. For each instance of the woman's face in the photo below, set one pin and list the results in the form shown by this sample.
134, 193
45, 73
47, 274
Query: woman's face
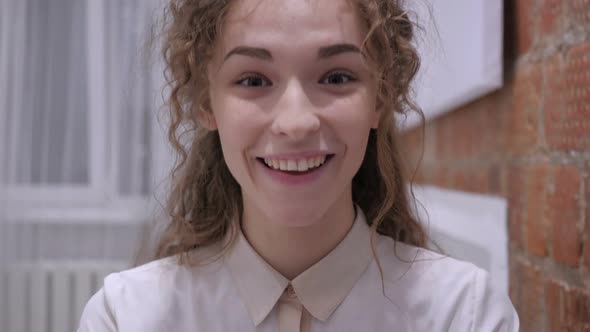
294, 103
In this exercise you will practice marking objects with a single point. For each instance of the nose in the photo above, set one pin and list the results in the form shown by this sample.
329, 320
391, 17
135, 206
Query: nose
296, 116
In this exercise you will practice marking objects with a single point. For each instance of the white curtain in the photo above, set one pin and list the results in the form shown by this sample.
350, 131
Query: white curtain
44, 94
77, 99
46, 75
78, 103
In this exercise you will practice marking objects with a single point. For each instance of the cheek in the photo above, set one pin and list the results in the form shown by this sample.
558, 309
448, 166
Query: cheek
231, 111
232, 120
233, 153
353, 120
239, 126
353, 116
229, 133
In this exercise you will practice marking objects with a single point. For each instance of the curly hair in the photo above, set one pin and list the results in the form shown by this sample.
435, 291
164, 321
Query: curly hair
205, 199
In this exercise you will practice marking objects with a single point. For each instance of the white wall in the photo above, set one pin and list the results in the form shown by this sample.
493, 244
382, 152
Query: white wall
461, 49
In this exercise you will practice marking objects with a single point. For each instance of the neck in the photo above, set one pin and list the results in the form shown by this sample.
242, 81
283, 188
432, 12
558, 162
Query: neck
292, 250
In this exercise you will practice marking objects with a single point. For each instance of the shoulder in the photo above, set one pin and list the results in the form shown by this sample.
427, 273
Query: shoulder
143, 275
453, 292
403, 261
146, 291
97, 315
100, 312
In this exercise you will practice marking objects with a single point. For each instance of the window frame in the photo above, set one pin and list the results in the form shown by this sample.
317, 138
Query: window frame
99, 199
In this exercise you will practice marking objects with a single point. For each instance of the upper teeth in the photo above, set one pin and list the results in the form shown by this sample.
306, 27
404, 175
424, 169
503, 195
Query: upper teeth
300, 165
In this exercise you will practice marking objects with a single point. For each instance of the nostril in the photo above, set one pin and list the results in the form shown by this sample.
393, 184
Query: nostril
297, 126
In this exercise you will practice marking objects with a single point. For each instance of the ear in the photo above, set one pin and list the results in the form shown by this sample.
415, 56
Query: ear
207, 120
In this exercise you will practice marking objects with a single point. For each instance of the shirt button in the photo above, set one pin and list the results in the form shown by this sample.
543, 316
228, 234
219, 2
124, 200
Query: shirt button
290, 291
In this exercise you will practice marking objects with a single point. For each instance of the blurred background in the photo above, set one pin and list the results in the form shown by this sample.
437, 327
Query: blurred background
81, 151
529, 143
503, 179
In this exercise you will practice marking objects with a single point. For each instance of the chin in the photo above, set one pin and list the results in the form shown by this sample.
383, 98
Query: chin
295, 215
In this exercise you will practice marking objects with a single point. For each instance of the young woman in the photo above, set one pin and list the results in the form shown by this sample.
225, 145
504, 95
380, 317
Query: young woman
289, 209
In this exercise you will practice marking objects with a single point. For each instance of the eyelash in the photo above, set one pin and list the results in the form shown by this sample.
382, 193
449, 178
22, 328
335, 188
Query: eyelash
253, 76
348, 78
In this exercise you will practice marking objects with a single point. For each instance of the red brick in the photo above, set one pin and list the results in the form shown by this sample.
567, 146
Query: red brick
551, 12
515, 283
497, 180
576, 309
441, 177
412, 146
567, 308
531, 307
523, 134
451, 142
524, 25
473, 132
434, 175
579, 13
441, 141
473, 179
586, 199
567, 106
488, 137
516, 205
564, 213
554, 306
420, 178
536, 197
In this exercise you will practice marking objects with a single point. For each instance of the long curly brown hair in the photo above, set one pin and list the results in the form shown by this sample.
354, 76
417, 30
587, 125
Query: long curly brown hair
205, 199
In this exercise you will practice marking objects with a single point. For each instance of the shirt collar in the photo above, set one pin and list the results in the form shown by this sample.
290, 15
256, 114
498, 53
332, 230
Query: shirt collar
321, 288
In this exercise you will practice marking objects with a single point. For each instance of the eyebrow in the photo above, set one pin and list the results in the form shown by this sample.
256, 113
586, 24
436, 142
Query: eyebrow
332, 50
254, 52
264, 54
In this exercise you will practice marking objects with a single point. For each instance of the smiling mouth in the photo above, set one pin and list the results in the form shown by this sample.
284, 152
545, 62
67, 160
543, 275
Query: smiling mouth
296, 166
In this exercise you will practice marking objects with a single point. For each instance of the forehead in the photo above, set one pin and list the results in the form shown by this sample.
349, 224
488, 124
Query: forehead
292, 23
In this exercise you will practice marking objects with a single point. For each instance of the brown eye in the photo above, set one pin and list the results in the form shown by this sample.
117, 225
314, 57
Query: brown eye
337, 78
254, 81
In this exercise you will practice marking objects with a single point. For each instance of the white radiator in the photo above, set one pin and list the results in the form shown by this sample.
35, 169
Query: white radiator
49, 296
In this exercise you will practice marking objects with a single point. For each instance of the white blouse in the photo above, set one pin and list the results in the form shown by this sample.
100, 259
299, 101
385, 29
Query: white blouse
344, 291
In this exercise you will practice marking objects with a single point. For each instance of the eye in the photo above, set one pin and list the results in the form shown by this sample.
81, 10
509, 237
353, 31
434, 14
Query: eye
337, 78
255, 81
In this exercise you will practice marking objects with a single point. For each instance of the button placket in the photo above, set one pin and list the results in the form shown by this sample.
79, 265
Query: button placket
290, 311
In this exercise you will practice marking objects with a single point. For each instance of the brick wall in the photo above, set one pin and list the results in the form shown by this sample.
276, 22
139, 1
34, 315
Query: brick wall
530, 142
